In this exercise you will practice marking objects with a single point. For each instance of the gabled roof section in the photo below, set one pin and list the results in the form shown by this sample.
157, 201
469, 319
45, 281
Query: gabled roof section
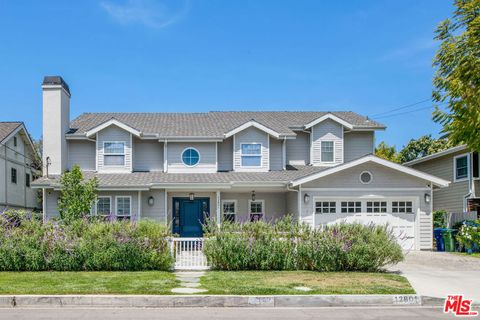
255, 124
331, 117
114, 122
371, 158
9, 129
436, 155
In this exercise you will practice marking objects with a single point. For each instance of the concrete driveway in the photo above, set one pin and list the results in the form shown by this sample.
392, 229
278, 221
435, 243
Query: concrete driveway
437, 274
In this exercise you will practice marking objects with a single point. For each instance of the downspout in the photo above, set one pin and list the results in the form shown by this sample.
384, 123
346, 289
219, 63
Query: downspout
471, 188
298, 201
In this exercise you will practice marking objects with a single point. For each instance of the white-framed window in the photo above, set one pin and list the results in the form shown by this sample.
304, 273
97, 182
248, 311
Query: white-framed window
229, 210
402, 207
251, 154
190, 157
256, 210
104, 206
123, 206
327, 151
461, 167
376, 206
325, 207
114, 153
351, 206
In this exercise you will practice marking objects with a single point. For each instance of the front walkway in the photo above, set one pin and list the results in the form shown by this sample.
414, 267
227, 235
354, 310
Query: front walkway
438, 274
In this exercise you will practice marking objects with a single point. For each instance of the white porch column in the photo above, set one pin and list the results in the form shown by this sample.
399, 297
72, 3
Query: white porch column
218, 208
166, 206
139, 205
284, 154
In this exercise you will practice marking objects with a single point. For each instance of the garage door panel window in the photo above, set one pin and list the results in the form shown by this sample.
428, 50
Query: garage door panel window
376, 206
325, 207
351, 206
402, 207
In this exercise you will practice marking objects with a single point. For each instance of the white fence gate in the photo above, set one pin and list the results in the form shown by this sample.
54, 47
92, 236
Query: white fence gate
188, 253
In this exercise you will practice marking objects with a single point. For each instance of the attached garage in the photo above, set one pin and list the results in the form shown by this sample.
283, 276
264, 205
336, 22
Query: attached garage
371, 190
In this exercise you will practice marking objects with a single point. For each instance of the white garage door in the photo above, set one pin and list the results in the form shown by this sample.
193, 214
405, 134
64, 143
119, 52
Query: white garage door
398, 214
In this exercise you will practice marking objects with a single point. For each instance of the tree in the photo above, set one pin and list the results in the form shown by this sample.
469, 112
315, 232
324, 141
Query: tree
383, 150
457, 78
76, 195
423, 146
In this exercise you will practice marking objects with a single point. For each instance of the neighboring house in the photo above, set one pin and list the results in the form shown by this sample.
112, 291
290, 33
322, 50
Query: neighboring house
179, 168
460, 166
17, 168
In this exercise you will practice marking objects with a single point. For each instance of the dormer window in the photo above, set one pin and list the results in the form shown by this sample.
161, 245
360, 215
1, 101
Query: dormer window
251, 154
327, 151
114, 153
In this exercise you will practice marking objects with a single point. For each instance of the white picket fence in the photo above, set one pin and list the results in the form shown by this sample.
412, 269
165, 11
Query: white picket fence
188, 253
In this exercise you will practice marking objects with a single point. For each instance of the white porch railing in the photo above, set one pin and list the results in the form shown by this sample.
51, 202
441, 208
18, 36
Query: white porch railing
188, 253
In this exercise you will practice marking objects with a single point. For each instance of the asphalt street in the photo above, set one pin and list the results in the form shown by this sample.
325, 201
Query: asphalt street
356, 313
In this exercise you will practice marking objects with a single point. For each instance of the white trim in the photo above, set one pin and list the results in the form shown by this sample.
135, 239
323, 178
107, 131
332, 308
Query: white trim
124, 154
229, 200
116, 206
331, 117
436, 155
96, 152
250, 208
284, 154
218, 208
252, 155
131, 153
455, 167
44, 204
321, 151
96, 204
139, 203
233, 156
360, 177
216, 156
193, 165
255, 124
165, 205
115, 122
366, 189
374, 159
165, 156
299, 203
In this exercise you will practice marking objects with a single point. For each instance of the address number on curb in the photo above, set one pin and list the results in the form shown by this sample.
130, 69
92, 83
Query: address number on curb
260, 300
406, 300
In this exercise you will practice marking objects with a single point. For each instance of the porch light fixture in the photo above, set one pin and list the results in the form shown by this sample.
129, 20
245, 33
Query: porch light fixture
253, 195
306, 198
151, 201
191, 196
427, 198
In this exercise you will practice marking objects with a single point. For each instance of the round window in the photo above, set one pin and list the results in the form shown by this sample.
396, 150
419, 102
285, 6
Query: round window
366, 177
190, 157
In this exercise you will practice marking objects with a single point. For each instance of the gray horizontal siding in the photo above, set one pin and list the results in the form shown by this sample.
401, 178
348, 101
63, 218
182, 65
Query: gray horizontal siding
276, 154
81, 153
275, 204
157, 210
327, 130
147, 155
298, 149
208, 157
251, 135
358, 144
114, 133
225, 155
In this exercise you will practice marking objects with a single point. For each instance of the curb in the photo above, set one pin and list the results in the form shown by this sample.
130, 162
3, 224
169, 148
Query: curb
178, 301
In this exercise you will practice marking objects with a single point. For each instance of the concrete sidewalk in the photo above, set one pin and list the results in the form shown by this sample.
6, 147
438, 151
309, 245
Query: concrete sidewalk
438, 274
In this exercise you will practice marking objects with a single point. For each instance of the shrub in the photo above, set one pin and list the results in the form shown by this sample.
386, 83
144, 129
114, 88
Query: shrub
27, 244
440, 219
469, 234
289, 245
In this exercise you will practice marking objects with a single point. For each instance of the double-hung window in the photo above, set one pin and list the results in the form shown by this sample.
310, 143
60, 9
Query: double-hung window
461, 167
229, 210
327, 153
104, 206
256, 210
251, 154
123, 207
114, 153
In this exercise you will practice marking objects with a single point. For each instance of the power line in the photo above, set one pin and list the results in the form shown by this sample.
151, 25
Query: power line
406, 112
400, 108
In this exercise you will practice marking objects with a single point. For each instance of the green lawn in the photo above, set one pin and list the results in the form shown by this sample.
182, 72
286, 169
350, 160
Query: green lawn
149, 282
283, 282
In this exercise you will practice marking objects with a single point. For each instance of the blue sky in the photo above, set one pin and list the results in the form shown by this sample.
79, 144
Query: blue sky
199, 55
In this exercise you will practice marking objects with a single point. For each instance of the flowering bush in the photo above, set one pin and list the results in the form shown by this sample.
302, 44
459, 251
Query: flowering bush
27, 244
289, 245
469, 234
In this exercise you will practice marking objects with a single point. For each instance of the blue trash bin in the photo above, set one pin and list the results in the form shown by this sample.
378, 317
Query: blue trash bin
437, 233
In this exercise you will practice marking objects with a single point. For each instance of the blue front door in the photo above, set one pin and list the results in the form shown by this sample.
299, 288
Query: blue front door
189, 216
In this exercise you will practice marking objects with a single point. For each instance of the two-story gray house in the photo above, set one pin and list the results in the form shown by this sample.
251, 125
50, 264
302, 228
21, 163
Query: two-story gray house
180, 168
18, 167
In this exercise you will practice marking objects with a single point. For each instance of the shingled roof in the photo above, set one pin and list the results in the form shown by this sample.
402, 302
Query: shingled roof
6, 128
213, 124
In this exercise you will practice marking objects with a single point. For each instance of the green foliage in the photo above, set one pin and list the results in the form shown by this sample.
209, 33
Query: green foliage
457, 78
27, 244
76, 195
289, 245
383, 150
469, 234
440, 219
421, 147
